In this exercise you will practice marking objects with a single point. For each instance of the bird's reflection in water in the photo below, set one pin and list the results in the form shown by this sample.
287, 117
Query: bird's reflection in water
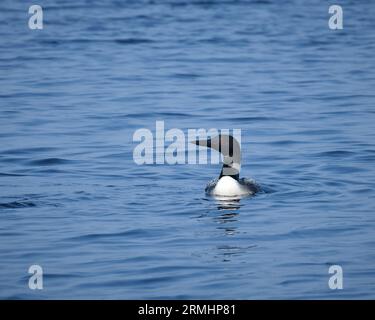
224, 220
227, 252
228, 203
229, 217
226, 215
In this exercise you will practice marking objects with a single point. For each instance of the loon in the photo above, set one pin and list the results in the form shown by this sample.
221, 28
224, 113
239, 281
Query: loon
229, 183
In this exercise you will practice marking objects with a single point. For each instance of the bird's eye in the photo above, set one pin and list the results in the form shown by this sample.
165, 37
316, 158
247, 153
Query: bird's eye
228, 160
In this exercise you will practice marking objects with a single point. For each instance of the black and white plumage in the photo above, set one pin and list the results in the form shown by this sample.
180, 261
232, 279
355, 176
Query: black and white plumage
228, 184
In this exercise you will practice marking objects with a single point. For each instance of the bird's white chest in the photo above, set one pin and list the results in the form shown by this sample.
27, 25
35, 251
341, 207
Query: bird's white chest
229, 187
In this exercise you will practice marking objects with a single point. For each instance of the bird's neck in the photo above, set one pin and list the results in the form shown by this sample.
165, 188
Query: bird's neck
228, 170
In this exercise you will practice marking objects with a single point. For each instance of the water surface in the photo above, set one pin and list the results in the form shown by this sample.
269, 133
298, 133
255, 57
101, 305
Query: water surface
73, 201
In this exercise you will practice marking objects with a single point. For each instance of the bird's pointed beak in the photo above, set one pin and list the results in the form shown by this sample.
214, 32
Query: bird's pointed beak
202, 143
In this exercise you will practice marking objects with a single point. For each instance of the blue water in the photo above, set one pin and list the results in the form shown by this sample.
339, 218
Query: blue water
73, 201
